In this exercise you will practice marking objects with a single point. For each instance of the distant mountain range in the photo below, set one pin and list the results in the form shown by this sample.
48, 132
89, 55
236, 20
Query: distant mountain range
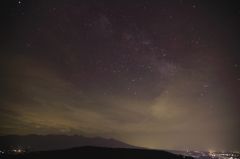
55, 142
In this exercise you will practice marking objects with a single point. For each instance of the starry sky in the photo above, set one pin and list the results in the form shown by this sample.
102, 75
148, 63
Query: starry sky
158, 74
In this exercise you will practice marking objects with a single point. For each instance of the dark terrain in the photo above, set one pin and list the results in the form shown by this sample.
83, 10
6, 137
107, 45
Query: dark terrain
56, 142
98, 152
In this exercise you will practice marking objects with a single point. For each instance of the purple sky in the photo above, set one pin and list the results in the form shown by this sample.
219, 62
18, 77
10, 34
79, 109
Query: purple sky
156, 74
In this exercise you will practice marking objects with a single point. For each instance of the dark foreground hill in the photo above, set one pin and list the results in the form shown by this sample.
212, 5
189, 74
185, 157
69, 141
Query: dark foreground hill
56, 142
98, 152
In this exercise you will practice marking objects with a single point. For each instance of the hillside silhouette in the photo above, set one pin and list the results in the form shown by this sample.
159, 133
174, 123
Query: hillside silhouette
98, 152
56, 142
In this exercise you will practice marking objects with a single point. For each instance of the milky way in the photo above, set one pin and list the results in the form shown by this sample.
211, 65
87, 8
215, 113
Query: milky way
152, 74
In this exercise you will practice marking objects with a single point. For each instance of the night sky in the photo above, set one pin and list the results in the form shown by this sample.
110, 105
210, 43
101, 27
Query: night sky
157, 74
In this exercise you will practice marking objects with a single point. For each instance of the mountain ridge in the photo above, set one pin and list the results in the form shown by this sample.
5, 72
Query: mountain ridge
34, 142
98, 152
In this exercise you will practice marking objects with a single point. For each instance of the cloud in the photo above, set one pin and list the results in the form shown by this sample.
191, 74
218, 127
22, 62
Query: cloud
38, 96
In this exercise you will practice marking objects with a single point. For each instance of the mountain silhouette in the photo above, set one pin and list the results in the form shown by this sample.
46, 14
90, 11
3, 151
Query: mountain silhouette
98, 152
55, 142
